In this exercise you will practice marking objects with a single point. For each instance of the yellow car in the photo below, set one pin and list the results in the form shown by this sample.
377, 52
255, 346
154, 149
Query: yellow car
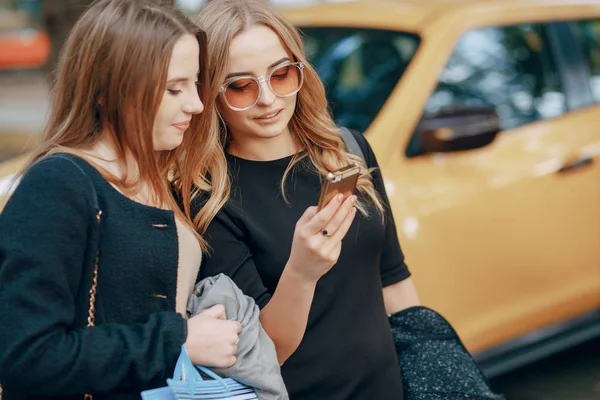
485, 118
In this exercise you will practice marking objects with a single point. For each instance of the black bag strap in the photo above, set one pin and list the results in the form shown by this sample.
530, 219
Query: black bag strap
351, 143
91, 320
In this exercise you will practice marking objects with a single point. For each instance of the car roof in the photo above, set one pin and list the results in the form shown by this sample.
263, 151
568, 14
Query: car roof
411, 15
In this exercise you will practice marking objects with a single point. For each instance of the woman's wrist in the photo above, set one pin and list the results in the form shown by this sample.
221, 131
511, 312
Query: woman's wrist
295, 275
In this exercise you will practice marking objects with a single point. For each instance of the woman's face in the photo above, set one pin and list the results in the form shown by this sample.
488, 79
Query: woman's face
257, 52
180, 100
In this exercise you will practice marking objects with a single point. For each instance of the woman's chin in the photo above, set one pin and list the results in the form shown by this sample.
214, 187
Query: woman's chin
270, 130
170, 145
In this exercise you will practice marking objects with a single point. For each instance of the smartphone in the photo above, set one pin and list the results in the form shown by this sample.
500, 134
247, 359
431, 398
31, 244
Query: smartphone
340, 181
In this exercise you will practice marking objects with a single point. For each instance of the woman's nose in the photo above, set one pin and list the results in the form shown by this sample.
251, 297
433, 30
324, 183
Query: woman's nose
267, 97
194, 106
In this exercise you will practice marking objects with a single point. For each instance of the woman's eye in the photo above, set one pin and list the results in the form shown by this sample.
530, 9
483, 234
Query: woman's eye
240, 86
175, 92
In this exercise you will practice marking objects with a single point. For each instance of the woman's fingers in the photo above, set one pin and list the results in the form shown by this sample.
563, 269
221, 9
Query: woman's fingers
340, 215
334, 242
318, 222
309, 213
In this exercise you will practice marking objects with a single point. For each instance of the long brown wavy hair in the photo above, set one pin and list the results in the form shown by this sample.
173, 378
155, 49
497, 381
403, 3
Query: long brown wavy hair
311, 125
110, 81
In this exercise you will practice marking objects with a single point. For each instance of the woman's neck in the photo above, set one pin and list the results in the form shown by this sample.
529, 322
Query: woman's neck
104, 153
261, 148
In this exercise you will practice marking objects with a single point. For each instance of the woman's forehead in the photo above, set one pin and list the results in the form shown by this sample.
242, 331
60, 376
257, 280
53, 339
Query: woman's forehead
254, 50
184, 58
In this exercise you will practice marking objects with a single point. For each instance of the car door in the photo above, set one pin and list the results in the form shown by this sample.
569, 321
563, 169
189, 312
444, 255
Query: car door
503, 239
585, 36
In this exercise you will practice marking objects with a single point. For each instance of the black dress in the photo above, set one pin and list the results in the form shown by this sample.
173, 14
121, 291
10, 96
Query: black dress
347, 351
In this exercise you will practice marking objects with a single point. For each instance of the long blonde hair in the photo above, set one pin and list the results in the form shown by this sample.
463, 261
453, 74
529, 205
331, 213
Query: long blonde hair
110, 81
311, 125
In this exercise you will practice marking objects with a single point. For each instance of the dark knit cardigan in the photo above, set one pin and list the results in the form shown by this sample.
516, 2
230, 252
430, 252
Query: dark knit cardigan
49, 235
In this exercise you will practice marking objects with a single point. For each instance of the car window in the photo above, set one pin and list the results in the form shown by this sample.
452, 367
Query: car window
588, 34
510, 69
360, 68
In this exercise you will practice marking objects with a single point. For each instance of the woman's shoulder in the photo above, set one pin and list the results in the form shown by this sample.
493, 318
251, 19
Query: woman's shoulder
57, 176
57, 164
365, 147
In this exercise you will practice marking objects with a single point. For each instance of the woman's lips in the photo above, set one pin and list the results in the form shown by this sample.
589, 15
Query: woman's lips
269, 115
182, 126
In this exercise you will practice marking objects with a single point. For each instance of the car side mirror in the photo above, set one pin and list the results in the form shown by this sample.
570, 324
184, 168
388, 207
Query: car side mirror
458, 129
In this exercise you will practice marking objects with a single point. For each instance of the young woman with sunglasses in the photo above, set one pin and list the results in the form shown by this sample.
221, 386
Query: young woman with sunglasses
326, 315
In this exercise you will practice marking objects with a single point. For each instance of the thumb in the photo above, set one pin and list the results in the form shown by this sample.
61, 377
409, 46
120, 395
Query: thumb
216, 311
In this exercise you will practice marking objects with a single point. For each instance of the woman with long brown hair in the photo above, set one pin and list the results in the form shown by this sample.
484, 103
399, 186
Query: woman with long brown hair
97, 261
327, 317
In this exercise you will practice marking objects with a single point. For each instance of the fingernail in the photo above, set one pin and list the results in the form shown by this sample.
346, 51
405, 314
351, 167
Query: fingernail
353, 211
353, 199
339, 197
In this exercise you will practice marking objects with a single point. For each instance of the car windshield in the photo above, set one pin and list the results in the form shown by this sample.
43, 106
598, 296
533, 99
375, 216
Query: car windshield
360, 68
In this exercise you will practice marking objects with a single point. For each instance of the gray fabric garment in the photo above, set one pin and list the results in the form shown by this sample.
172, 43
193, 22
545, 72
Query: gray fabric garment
257, 365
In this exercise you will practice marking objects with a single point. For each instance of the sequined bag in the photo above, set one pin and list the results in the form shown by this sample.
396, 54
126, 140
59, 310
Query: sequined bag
434, 363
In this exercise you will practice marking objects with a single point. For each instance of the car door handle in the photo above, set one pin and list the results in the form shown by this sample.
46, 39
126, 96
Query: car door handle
576, 164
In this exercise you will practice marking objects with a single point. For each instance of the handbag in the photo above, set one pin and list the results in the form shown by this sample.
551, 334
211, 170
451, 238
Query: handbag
187, 383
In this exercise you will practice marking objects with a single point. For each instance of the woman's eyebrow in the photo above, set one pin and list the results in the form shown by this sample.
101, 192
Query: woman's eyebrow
232, 75
179, 79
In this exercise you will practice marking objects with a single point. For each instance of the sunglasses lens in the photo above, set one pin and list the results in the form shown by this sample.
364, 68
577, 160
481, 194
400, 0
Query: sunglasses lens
242, 93
286, 80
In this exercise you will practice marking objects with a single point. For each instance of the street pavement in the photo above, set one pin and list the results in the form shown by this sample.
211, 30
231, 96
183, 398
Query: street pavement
570, 375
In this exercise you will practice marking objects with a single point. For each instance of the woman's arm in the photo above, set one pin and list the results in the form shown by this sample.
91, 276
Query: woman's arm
400, 295
399, 291
284, 315
43, 239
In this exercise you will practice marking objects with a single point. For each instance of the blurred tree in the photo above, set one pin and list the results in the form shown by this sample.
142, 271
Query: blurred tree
58, 17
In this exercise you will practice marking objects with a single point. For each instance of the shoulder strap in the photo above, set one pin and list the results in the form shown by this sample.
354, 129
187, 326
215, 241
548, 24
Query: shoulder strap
351, 142
76, 161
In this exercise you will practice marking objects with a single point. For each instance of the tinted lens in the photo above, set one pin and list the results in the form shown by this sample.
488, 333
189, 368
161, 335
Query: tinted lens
242, 93
286, 80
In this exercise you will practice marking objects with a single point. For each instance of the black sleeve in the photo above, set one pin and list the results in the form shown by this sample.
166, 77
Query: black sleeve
44, 231
231, 256
393, 267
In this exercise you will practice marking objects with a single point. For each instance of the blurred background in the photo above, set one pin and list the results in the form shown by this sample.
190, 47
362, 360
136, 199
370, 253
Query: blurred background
484, 116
